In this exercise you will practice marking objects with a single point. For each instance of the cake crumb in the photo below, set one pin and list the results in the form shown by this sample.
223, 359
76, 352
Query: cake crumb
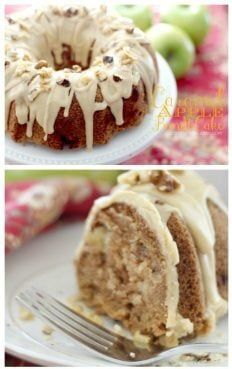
205, 357
117, 329
25, 314
193, 359
141, 340
74, 305
94, 318
47, 330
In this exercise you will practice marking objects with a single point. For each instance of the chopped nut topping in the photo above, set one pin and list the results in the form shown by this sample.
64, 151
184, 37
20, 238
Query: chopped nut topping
76, 68
64, 83
26, 57
41, 64
108, 59
117, 79
11, 21
45, 87
14, 37
130, 30
70, 12
45, 72
159, 202
126, 61
97, 61
102, 76
7, 63
164, 181
22, 67
56, 10
126, 56
103, 50
47, 330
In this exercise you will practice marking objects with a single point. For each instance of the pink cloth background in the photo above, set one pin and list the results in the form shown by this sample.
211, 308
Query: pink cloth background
24, 221
208, 82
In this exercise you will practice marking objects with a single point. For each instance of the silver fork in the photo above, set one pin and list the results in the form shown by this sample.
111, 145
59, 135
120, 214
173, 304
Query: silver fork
101, 341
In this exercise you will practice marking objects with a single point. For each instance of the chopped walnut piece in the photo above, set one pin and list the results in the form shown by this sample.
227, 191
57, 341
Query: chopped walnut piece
117, 79
158, 202
70, 12
56, 11
164, 181
64, 83
45, 72
11, 21
14, 37
101, 75
130, 30
126, 56
41, 64
26, 57
97, 61
22, 67
76, 68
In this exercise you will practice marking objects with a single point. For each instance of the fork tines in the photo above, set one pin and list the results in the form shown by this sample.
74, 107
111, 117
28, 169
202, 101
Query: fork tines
64, 319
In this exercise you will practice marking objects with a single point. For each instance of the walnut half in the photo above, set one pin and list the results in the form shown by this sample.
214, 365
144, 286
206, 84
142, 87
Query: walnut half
164, 181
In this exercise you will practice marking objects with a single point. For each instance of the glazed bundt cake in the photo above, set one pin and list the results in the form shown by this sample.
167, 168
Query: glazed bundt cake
75, 76
154, 255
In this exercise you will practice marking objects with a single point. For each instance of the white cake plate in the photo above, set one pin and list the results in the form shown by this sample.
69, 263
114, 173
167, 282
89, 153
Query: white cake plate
122, 147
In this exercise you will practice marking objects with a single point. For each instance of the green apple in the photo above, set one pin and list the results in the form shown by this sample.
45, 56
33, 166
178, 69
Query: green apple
174, 45
98, 175
193, 19
141, 15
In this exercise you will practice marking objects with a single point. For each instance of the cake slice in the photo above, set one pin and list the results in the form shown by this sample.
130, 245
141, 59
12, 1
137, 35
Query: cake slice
153, 255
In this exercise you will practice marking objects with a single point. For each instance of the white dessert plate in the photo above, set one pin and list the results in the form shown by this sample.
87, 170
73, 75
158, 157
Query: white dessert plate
46, 263
122, 147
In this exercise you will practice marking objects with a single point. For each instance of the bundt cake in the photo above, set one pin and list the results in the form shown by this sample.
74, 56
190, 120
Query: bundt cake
75, 76
154, 255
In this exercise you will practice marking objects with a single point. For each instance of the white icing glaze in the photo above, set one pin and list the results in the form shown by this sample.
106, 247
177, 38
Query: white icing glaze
39, 94
190, 201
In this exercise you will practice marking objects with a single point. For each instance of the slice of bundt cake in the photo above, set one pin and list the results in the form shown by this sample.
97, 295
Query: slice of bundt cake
154, 255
